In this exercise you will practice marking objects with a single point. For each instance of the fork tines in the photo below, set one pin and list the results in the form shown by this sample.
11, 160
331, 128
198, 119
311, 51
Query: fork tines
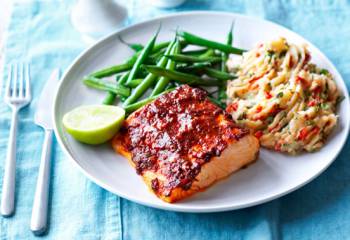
18, 83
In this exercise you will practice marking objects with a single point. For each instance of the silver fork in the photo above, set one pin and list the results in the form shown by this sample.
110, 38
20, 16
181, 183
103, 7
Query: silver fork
17, 95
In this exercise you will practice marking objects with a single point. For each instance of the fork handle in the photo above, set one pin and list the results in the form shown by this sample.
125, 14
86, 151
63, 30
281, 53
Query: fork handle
9, 182
40, 206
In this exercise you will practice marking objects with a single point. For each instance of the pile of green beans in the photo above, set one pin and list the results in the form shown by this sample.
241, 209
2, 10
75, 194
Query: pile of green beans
182, 58
160, 67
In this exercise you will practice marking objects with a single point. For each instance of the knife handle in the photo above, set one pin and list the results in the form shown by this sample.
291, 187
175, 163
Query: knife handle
38, 222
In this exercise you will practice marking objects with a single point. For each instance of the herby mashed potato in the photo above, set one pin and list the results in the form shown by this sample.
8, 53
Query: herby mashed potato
288, 102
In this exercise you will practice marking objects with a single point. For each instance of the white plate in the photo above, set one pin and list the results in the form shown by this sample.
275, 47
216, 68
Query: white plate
273, 175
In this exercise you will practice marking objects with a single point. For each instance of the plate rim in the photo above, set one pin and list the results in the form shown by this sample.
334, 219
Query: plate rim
174, 207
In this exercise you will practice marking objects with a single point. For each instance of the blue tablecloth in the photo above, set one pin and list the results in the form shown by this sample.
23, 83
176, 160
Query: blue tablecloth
40, 33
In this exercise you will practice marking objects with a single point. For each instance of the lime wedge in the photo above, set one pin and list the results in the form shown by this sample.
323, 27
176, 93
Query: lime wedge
94, 124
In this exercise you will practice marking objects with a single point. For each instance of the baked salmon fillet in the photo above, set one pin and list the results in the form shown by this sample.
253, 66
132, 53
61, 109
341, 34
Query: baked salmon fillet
182, 143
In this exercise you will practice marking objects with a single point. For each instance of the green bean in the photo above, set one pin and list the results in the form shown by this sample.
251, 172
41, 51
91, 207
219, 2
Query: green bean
217, 102
109, 99
211, 72
222, 94
127, 65
134, 46
123, 79
223, 62
163, 81
147, 81
208, 53
137, 47
163, 45
196, 40
183, 78
133, 107
134, 83
197, 52
155, 57
143, 55
230, 34
229, 41
106, 86
195, 66
191, 59
160, 46
222, 89
106, 72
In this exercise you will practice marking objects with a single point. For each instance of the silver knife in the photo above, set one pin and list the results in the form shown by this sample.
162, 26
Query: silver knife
43, 118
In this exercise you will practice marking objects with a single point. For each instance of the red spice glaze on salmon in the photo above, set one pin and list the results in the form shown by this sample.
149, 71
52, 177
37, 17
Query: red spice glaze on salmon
175, 135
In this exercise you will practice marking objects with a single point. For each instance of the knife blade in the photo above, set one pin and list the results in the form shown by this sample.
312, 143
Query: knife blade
44, 108
42, 117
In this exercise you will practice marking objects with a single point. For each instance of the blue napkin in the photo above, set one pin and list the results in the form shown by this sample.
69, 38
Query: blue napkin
40, 33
